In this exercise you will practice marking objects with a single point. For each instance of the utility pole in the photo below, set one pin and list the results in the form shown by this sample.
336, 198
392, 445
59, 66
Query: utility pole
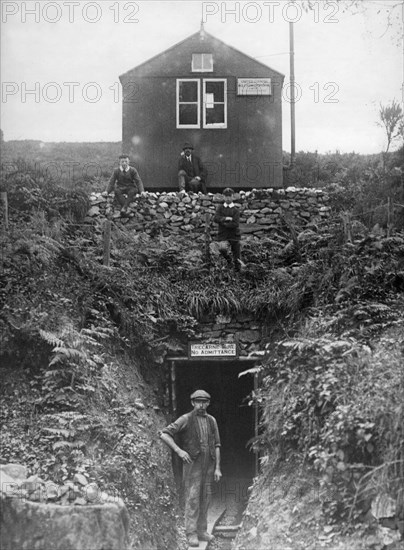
292, 94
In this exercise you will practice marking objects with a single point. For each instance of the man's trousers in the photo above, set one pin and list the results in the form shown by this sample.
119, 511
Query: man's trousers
124, 195
235, 248
198, 481
188, 183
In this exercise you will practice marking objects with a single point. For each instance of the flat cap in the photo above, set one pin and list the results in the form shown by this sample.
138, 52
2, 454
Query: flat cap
200, 394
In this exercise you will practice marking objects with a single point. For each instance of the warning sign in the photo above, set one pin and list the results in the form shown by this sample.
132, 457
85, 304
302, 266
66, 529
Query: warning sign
225, 349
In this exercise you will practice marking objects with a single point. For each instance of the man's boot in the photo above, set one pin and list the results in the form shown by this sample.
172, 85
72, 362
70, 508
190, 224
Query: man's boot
193, 540
206, 537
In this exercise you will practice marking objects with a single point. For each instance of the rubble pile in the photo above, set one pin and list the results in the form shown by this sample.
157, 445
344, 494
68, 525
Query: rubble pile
77, 515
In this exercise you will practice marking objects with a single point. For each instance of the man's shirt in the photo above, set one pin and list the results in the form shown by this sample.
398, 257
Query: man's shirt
182, 422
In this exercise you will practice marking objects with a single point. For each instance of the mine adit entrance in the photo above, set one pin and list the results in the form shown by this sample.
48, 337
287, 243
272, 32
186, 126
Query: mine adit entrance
237, 421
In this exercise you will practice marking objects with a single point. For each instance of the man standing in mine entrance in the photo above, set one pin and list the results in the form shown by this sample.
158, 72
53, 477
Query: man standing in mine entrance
200, 454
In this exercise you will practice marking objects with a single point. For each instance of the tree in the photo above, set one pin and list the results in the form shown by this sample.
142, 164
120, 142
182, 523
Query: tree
388, 11
391, 119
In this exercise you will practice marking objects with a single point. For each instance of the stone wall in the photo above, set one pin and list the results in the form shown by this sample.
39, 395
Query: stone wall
261, 211
244, 329
250, 335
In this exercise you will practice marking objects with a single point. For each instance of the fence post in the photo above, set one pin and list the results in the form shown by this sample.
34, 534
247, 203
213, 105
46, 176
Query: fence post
4, 199
107, 242
207, 237
349, 227
346, 218
390, 216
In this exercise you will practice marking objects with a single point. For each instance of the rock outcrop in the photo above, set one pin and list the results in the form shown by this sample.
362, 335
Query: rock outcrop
38, 515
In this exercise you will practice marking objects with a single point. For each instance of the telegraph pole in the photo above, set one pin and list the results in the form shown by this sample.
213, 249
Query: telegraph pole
292, 94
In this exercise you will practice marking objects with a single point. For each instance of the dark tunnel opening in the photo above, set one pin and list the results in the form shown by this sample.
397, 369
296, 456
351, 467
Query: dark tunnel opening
229, 405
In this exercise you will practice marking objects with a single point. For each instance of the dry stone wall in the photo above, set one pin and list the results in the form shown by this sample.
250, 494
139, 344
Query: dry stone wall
261, 211
244, 329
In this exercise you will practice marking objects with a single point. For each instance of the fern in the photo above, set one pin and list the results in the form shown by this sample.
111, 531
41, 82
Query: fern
74, 363
63, 353
51, 338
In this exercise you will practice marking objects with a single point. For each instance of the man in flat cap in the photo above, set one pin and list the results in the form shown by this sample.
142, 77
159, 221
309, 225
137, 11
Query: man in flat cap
191, 172
200, 454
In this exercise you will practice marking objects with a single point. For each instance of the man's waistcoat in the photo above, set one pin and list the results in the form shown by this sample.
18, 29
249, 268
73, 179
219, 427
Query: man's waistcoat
191, 436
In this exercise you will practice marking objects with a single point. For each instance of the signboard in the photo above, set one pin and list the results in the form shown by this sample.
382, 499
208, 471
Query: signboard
210, 350
254, 86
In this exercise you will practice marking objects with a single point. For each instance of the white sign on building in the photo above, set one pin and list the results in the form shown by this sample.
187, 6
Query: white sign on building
254, 86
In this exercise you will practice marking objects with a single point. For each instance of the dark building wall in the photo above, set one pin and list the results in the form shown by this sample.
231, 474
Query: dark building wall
247, 154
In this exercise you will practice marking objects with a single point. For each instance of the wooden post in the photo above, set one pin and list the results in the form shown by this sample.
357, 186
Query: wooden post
5, 202
256, 420
107, 242
292, 95
207, 238
173, 389
390, 217
346, 218
349, 227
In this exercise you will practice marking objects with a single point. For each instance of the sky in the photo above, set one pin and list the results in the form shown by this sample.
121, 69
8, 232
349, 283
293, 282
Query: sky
61, 61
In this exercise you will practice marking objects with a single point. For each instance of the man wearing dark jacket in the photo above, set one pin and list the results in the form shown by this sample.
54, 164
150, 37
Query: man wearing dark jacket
228, 217
200, 454
126, 182
191, 172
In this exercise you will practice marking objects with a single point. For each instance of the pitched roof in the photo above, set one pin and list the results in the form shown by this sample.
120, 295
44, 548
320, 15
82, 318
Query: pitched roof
189, 38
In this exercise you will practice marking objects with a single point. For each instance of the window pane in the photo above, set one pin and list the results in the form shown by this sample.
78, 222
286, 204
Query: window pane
209, 101
188, 114
207, 61
217, 89
188, 91
202, 62
196, 61
215, 115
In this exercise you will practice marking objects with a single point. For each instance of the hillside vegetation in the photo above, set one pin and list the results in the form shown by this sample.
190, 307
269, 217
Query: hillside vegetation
83, 348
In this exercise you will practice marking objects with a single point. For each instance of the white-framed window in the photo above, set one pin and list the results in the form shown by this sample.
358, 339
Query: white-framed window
202, 63
211, 107
214, 103
188, 103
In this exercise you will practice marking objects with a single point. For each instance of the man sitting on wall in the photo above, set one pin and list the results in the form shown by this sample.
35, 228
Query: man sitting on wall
126, 183
191, 172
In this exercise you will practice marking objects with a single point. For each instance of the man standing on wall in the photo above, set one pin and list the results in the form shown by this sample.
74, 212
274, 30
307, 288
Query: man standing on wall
228, 217
201, 463
191, 172
126, 183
